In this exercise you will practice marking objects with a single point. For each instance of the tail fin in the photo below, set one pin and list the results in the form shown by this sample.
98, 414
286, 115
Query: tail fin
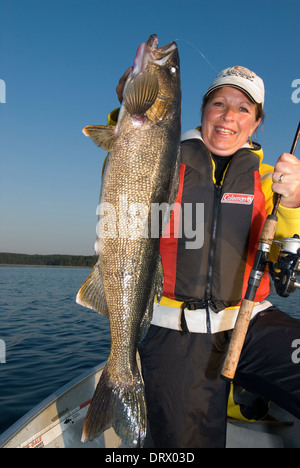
118, 405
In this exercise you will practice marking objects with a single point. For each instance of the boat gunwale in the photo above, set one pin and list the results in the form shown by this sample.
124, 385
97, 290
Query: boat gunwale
20, 424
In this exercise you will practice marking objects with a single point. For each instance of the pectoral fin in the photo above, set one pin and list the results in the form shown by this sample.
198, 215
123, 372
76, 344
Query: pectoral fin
140, 93
91, 293
102, 135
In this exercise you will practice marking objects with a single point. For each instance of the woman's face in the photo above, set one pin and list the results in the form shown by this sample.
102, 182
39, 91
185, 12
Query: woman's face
228, 120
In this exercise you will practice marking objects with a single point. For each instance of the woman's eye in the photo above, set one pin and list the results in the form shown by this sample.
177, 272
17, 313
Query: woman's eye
244, 109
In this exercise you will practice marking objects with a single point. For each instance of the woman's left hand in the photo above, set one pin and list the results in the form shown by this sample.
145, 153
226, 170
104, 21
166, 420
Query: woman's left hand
286, 180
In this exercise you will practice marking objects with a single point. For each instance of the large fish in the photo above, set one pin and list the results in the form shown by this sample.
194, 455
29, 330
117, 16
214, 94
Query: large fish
139, 175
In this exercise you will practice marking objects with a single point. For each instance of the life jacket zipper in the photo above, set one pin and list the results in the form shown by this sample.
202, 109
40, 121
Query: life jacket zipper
211, 255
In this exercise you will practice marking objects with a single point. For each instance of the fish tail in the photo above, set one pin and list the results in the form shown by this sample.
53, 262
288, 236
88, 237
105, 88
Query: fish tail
120, 406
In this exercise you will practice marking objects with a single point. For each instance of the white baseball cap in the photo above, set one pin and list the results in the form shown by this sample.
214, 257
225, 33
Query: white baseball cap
241, 78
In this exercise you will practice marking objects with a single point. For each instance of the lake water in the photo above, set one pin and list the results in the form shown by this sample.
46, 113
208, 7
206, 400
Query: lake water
50, 339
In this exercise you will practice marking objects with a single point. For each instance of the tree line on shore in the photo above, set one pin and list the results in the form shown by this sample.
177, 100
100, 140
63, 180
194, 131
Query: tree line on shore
51, 260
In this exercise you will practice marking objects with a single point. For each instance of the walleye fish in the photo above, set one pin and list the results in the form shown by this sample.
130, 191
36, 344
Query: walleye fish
139, 173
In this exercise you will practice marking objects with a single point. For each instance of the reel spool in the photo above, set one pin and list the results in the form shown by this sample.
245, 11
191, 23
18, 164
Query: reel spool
284, 272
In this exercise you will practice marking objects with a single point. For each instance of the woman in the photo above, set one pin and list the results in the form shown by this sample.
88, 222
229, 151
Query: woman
183, 352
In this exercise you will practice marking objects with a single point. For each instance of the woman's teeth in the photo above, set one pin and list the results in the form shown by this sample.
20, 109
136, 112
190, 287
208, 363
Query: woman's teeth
224, 131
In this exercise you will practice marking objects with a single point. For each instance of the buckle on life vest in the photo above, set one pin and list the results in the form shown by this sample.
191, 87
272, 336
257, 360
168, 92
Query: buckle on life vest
190, 305
194, 305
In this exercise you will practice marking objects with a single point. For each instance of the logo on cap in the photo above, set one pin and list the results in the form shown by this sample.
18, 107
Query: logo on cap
241, 72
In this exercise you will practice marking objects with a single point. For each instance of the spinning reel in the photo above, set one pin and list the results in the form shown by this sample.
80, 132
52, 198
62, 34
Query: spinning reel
284, 272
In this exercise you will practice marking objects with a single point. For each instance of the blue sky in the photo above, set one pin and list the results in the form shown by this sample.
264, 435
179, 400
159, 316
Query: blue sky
61, 61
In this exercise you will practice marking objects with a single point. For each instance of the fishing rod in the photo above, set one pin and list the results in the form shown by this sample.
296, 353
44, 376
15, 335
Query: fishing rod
260, 263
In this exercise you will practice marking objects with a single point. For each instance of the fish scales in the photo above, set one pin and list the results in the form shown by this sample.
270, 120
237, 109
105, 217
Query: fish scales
128, 174
140, 172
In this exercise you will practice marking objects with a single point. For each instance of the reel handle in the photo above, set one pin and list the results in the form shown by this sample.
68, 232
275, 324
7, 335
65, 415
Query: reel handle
237, 340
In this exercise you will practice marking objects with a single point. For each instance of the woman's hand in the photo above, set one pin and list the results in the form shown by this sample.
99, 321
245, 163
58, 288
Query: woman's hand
286, 180
122, 81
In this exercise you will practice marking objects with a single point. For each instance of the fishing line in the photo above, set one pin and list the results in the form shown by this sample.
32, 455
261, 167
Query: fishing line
199, 52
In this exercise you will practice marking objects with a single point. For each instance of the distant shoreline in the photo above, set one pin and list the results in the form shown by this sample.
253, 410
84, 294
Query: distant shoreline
36, 260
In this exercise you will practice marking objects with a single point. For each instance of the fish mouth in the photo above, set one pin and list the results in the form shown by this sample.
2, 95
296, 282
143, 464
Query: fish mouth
152, 41
147, 79
150, 52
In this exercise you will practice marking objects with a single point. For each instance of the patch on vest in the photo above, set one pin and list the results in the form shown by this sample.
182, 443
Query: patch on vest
238, 198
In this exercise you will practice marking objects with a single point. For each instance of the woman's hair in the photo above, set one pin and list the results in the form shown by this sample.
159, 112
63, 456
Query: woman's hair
259, 109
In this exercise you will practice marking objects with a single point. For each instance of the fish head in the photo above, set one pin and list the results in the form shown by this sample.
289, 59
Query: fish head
153, 86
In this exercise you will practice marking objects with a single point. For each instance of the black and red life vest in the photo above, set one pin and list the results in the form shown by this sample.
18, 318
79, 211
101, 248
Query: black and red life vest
216, 273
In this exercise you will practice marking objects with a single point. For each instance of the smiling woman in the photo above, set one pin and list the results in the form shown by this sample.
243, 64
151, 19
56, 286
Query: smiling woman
232, 109
203, 288
229, 119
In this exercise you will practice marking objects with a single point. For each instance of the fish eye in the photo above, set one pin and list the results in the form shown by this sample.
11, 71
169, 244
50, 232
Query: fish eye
172, 70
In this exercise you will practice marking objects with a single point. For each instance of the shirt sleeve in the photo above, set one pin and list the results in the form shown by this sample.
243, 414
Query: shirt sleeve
113, 117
